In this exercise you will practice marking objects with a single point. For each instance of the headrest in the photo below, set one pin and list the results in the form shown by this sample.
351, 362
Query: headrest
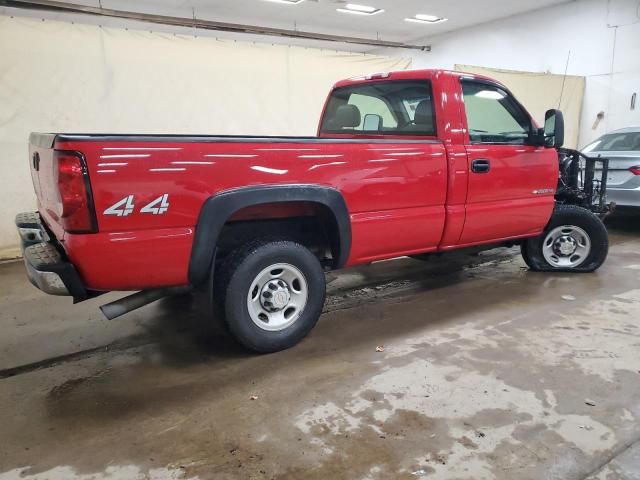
347, 116
424, 114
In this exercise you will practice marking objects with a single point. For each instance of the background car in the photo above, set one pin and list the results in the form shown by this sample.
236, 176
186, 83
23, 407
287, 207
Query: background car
622, 148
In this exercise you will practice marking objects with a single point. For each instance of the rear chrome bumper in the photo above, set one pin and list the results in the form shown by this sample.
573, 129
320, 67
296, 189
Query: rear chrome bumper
46, 267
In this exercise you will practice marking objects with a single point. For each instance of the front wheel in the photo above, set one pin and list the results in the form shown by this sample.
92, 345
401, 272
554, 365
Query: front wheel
271, 294
575, 240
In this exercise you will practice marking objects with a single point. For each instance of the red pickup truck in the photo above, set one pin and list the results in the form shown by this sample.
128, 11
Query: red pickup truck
404, 163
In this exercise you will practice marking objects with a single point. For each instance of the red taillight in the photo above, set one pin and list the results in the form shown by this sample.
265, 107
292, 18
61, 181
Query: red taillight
74, 206
635, 170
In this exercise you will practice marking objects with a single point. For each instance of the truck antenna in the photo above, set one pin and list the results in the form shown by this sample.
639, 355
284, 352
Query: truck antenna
564, 79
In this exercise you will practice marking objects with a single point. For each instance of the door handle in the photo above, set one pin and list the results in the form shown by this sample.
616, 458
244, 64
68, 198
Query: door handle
480, 166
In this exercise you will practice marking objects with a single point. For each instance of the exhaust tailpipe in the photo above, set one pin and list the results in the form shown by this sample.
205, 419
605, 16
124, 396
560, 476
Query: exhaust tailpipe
140, 299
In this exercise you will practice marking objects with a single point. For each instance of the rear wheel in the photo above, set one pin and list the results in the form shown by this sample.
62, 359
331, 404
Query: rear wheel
270, 294
575, 240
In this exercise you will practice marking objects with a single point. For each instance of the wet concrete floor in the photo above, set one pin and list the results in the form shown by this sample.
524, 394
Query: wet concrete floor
489, 371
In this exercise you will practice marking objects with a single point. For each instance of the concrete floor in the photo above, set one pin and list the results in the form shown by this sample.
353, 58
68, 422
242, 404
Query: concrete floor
488, 372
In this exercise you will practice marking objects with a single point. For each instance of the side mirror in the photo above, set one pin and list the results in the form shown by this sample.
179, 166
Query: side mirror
372, 123
553, 129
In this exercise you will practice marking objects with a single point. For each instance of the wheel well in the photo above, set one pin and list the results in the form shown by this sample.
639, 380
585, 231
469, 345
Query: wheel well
304, 209
310, 224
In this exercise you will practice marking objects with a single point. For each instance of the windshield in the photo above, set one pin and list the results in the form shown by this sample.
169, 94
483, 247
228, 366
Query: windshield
615, 142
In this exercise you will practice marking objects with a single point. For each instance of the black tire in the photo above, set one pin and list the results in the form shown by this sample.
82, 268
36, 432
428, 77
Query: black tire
235, 277
572, 215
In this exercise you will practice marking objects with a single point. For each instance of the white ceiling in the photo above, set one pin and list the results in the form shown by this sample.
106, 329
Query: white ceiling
320, 16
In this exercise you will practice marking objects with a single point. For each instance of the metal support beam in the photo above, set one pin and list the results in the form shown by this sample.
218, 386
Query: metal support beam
49, 5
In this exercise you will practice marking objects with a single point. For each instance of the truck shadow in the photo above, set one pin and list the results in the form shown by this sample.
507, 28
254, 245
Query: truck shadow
180, 364
185, 332
181, 328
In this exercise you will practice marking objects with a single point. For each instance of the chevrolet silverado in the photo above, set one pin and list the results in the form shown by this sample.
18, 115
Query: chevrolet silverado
403, 164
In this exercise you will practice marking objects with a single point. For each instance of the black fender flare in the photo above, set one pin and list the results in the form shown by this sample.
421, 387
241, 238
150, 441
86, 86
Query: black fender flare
217, 210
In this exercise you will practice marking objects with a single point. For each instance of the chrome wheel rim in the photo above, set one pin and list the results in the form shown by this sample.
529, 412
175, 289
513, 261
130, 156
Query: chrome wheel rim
277, 297
567, 246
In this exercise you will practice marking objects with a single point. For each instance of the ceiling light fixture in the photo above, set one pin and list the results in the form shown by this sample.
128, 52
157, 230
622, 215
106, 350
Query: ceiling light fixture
359, 9
430, 19
286, 2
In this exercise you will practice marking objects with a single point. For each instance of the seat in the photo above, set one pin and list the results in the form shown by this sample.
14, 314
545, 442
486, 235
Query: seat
424, 116
422, 120
346, 116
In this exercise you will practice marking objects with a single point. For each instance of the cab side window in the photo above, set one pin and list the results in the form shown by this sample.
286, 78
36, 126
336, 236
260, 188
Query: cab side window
493, 115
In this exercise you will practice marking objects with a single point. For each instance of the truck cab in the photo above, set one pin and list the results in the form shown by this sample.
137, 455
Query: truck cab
498, 181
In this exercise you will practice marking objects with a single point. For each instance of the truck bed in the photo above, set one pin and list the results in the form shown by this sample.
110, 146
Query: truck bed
395, 190
47, 140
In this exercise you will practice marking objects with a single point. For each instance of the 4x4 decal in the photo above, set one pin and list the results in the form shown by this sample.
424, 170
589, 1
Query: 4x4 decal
126, 206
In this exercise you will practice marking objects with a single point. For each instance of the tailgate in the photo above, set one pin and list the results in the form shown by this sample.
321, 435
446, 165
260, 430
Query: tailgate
620, 168
620, 164
43, 175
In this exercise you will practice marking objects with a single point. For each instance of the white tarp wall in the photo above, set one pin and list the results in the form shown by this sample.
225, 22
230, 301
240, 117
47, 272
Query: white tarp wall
63, 77
538, 92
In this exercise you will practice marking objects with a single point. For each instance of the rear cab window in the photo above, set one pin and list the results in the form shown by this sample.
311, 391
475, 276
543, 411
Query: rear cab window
381, 108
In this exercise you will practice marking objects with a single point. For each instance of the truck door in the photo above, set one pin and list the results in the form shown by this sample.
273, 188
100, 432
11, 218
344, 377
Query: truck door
511, 182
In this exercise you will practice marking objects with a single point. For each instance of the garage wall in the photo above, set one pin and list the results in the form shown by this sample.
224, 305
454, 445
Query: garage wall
601, 39
57, 76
